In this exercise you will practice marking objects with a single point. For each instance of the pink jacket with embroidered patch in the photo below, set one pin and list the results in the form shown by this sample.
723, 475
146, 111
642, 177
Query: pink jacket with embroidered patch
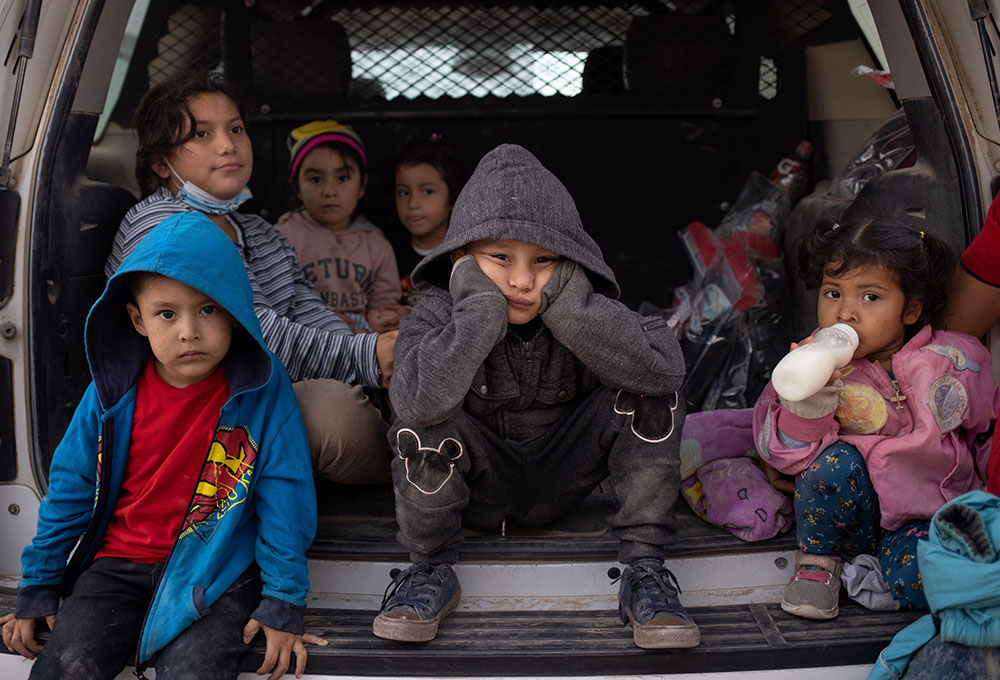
926, 438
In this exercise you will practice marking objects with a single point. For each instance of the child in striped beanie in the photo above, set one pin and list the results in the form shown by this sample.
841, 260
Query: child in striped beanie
346, 257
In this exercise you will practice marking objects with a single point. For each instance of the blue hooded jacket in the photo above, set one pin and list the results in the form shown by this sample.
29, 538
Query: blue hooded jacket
263, 507
960, 568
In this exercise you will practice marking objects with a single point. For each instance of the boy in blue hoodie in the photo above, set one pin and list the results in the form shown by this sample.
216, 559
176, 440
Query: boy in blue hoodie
520, 383
183, 481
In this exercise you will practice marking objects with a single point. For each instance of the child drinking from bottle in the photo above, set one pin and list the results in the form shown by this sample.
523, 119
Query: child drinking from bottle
899, 431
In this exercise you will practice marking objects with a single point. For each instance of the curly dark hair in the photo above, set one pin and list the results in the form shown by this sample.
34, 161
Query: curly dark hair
436, 153
163, 113
923, 264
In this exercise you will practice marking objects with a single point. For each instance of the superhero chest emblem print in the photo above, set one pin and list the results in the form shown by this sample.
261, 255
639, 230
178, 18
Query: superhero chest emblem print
224, 481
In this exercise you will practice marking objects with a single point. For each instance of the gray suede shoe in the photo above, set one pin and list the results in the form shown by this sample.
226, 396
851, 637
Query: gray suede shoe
647, 598
814, 591
416, 601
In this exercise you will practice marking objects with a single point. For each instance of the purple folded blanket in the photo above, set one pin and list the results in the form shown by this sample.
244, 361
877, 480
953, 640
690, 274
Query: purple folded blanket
720, 480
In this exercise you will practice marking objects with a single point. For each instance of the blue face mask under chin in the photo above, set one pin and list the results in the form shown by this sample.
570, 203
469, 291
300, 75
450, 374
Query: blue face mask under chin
194, 196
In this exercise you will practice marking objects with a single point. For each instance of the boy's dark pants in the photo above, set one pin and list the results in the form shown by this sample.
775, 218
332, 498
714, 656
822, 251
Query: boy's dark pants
461, 470
97, 628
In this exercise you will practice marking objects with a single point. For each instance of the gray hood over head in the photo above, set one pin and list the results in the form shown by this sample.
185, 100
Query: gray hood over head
511, 196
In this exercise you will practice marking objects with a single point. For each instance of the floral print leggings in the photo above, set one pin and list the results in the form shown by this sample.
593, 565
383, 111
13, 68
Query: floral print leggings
838, 514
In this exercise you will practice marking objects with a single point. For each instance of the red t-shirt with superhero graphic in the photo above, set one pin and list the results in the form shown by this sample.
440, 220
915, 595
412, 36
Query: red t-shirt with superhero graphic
171, 433
982, 260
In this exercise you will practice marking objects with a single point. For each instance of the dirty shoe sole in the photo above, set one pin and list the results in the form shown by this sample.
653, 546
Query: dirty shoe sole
808, 611
665, 637
412, 630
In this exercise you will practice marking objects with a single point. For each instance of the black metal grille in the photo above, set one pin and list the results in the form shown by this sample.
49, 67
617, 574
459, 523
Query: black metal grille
370, 51
455, 51
193, 41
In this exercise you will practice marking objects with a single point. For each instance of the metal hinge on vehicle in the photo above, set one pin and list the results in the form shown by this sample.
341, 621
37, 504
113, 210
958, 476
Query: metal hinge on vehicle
25, 48
979, 12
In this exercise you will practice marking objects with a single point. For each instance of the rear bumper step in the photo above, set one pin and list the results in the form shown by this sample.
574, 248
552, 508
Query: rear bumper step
537, 643
740, 638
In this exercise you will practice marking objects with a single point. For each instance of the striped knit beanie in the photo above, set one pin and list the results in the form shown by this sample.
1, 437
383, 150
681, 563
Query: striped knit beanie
305, 138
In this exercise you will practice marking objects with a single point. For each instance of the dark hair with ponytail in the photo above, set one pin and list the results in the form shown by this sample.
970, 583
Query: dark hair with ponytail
923, 264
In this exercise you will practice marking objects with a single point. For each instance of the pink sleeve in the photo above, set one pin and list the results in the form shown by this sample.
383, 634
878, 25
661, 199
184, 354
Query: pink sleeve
770, 417
984, 404
385, 287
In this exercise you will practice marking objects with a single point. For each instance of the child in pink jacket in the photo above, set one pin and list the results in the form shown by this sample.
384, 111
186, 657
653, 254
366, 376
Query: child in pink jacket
898, 432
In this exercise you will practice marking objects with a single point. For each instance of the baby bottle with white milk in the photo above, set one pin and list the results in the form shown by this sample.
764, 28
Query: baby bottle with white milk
807, 368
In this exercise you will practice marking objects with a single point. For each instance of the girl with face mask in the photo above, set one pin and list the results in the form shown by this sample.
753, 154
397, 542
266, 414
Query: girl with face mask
194, 155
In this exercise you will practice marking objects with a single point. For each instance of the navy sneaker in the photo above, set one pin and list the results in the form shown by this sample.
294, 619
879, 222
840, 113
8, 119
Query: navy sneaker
647, 598
416, 601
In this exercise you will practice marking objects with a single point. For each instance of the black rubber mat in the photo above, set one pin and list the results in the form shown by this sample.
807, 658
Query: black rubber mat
734, 638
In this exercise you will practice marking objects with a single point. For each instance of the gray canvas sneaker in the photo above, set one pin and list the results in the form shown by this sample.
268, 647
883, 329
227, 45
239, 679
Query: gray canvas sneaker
647, 598
814, 591
416, 601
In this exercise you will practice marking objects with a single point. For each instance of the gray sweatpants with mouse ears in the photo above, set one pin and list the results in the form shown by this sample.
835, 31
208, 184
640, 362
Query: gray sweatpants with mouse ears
461, 472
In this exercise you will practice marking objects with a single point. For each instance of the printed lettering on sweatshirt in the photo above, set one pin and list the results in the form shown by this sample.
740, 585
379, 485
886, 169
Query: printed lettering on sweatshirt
327, 268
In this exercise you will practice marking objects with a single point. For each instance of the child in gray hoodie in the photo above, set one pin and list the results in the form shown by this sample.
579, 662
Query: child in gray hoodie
520, 384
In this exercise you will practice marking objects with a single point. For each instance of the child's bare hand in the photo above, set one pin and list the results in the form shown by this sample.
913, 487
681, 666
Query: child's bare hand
279, 649
19, 634
779, 481
384, 346
805, 341
387, 318
380, 321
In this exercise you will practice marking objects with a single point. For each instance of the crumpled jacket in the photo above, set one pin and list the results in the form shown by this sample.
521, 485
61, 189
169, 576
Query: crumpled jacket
960, 570
925, 436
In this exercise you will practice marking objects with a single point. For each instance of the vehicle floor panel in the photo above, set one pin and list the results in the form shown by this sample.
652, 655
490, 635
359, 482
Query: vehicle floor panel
358, 522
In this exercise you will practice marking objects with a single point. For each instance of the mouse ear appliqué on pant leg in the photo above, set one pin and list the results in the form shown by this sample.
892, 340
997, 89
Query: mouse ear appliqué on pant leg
652, 417
428, 469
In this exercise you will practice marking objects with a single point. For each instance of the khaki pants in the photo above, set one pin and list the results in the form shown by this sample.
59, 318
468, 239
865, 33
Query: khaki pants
347, 436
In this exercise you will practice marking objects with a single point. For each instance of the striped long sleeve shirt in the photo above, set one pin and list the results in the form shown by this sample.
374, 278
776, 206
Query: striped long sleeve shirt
310, 340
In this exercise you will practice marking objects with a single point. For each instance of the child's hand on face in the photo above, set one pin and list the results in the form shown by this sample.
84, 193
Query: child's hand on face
467, 278
567, 290
557, 282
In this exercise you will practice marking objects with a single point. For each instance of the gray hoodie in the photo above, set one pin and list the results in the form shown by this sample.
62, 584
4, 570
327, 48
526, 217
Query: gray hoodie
455, 351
